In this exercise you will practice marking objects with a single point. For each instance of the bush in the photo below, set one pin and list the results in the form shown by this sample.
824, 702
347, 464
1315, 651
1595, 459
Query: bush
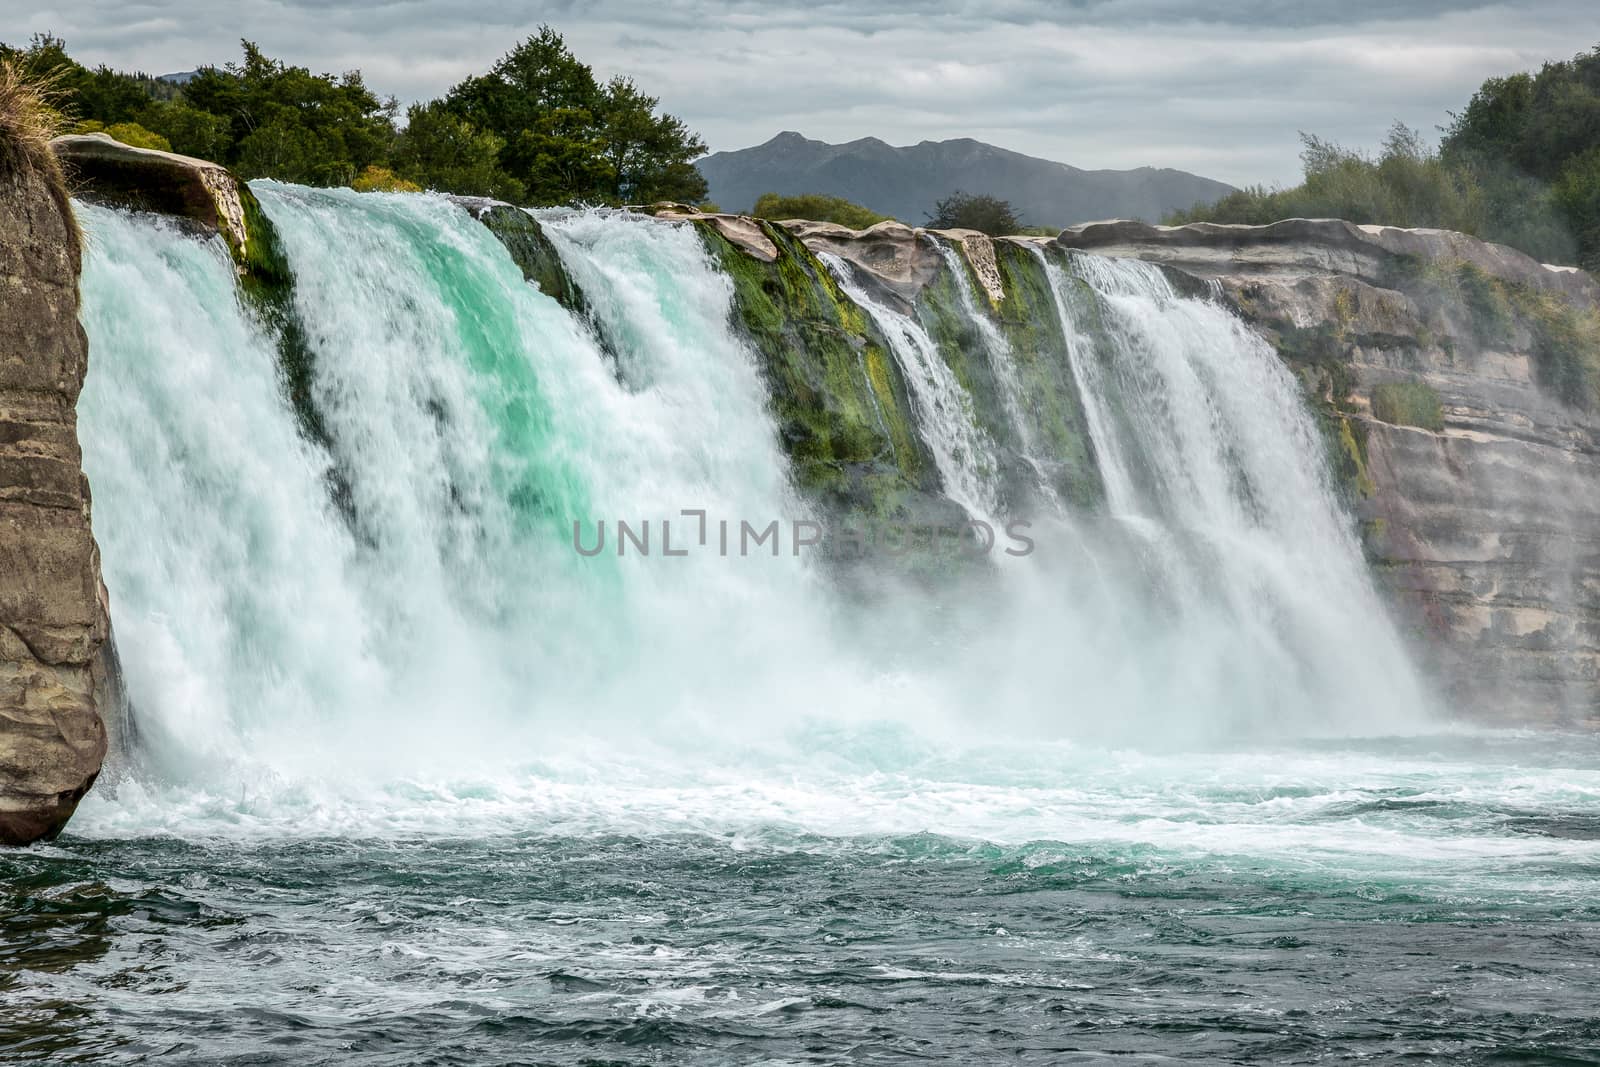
817, 207
377, 179
981, 212
1408, 404
129, 133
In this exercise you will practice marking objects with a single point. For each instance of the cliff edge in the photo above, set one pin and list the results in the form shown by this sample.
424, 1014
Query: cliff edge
53, 612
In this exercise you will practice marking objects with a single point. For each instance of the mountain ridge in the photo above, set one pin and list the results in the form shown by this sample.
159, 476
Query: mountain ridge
906, 181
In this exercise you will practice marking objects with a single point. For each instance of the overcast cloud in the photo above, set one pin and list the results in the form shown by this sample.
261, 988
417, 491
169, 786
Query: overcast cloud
1218, 88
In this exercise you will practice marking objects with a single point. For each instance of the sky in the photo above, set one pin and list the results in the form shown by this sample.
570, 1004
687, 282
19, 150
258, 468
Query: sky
1219, 88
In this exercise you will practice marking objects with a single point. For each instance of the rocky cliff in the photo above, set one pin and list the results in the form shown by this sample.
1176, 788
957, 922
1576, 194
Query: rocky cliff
53, 613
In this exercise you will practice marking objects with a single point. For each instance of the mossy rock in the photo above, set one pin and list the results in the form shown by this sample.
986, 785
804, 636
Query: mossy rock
1051, 400
1562, 336
532, 252
843, 411
1408, 404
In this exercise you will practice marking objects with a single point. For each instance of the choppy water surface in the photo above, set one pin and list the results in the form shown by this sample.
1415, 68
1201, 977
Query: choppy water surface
1427, 897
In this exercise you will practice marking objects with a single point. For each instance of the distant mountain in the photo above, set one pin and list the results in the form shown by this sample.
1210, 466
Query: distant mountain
906, 182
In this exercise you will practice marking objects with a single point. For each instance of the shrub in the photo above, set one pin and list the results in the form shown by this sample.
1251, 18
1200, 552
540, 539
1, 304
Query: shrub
376, 179
817, 207
131, 133
968, 211
28, 120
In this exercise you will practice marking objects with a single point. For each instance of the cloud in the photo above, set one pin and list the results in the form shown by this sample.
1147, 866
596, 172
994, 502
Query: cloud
1220, 88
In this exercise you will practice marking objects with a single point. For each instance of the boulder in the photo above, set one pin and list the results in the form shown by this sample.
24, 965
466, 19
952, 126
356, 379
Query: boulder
206, 195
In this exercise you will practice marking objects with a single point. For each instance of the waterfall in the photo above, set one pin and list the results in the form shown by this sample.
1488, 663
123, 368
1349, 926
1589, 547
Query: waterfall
962, 451
396, 612
1212, 464
473, 421
1002, 362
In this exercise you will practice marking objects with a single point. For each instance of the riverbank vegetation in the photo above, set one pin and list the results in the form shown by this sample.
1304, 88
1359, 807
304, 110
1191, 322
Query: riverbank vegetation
537, 128
1520, 165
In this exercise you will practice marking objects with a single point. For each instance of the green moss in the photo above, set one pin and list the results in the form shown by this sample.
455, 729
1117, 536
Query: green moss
1351, 463
1566, 345
842, 407
1320, 357
533, 253
1050, 397
1408, 404
1562, 338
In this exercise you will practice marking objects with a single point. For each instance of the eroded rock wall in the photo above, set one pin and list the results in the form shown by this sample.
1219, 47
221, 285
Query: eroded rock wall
53, 613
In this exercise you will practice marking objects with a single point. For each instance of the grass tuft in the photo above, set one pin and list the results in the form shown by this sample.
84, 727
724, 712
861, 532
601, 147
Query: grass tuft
28, 122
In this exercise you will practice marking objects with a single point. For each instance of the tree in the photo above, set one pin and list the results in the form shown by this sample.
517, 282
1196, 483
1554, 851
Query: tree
818, 207
647, 154
440, 150
567, 138
101, 95
287, 123
191, 131
965, 211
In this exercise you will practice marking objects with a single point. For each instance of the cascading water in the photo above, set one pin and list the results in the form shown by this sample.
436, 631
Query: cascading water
998, 351
963, 452
1211, 463
442, 609
473, 422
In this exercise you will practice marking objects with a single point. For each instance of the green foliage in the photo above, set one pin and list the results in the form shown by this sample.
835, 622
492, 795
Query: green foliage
969, 211
101, 95
1408, 404
818, 207
568, 138
439, 149
1520, 165
376, 179
1407, 184
537, 128
192, 132
130, 133
290, 124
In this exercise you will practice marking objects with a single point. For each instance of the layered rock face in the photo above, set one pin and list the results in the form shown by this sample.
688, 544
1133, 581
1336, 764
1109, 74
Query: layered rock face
53, 614
1469, 377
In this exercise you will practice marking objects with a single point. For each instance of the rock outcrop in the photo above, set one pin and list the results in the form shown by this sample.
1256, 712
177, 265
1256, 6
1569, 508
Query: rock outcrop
205, 194
1469, 375
53, 612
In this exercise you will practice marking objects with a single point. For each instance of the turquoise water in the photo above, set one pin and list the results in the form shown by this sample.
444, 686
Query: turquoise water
416, 782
